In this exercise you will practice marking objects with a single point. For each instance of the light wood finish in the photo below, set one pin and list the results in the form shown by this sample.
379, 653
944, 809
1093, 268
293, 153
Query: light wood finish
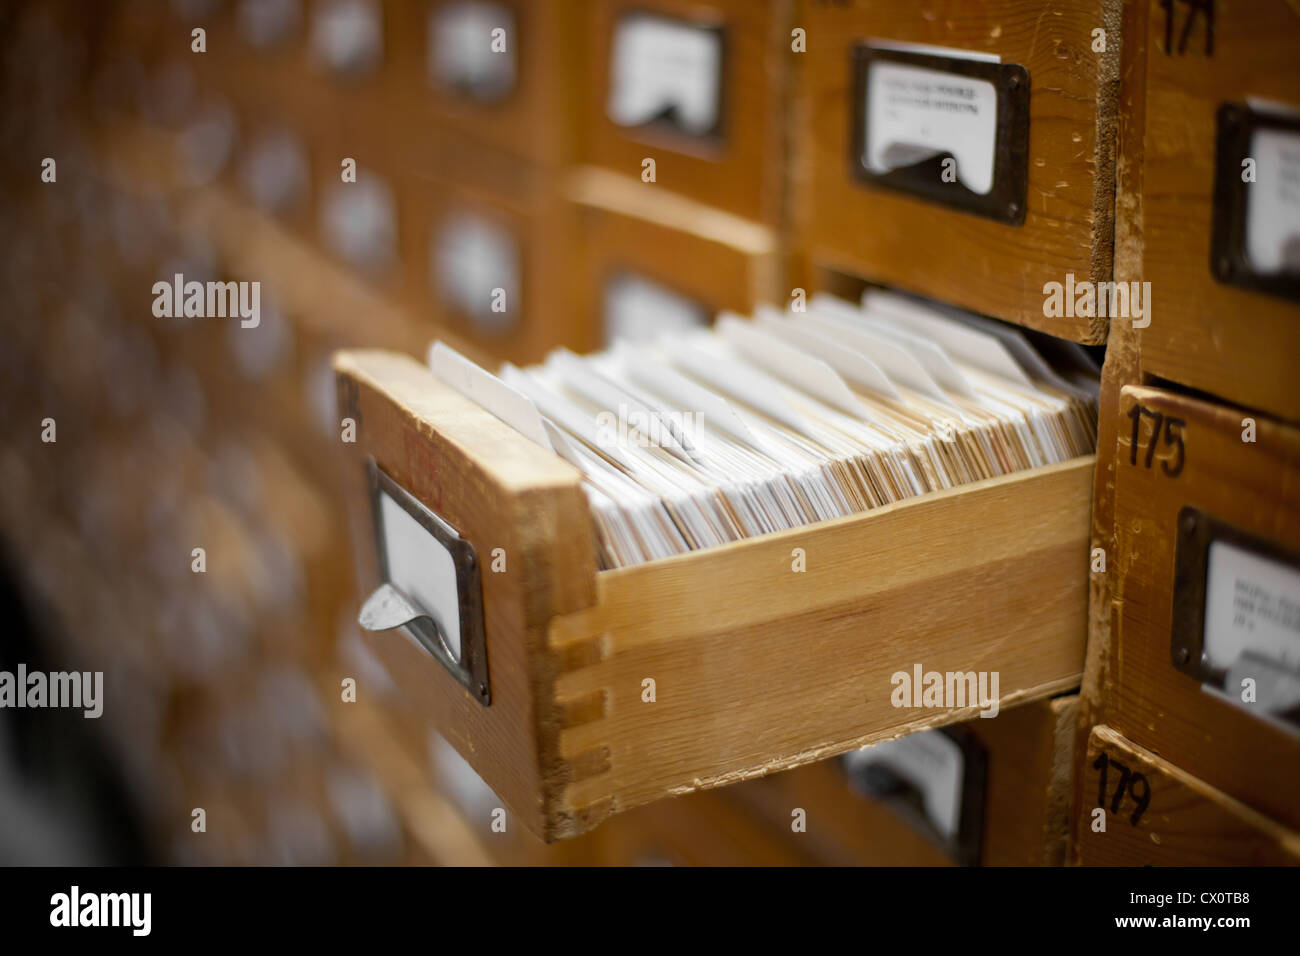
1142, 696
1187, 822
497, 490
741, 172
1027, 795
1236, 344
710, 257
758, 668
956, 257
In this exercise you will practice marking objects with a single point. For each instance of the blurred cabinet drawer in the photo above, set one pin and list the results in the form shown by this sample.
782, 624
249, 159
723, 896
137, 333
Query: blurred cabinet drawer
1155, 813
332, 65
1207, 530
491, 242
503, 73
696, 86
990, 791
1214, 156
652, 262
753, 668
975, 174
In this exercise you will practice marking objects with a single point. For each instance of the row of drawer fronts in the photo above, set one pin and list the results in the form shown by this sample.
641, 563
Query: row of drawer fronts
1240, 226
568, 650
486, 255
1134, 808
487, 266
1207, 569
505, 74
1006, 200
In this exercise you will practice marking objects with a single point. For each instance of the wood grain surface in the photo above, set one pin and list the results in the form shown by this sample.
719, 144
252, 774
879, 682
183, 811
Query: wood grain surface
1187, 822
758, 667
956, 257
1250, 486
1239, 345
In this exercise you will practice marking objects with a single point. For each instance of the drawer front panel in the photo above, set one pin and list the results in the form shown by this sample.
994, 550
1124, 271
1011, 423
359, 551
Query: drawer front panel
1156, 814
1208, 329
637, 106
531, 510
701, 260
856, 221
1205, 484
783, 668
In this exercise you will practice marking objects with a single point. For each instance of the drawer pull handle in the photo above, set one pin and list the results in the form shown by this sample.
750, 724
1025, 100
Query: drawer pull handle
388, 608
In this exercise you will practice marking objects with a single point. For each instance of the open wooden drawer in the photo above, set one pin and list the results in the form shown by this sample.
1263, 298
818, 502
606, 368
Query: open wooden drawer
594, 692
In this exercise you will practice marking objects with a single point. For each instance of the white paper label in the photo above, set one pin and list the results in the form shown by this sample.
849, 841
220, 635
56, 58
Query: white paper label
1252, 603
657, 64
476, 263
915, 114
360, 221
1273, 203
934, 764
421, 568
461, 54
639, 310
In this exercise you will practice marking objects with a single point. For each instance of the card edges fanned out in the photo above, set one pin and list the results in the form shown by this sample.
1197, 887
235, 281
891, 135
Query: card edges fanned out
750, 427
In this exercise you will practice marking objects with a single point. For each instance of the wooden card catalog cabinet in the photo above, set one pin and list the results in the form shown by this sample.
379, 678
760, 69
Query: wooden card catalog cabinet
963, 153
1213, 182
694, 87
1135, 808
1203, 664
757, 668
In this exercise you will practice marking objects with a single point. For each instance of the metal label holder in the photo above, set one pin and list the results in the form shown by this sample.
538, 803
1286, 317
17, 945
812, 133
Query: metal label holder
1005, 203
1235, 126
1196, 532
388, 608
